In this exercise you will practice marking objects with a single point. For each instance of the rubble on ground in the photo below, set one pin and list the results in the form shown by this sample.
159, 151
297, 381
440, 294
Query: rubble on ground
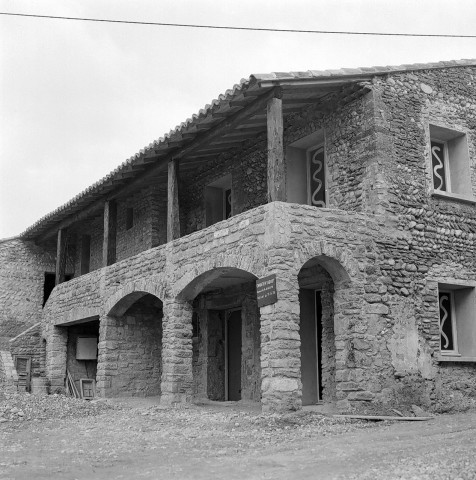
24, 406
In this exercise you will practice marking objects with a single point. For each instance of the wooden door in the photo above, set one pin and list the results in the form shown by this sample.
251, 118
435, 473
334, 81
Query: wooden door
23, 367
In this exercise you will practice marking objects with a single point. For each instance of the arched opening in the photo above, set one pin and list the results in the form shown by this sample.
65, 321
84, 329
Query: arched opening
321, 280
226, 335
130, 349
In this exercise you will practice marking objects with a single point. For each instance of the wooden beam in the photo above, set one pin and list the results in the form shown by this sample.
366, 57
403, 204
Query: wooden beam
109, 238
276, 165
156, 165
173, 212
218, 130
61, 256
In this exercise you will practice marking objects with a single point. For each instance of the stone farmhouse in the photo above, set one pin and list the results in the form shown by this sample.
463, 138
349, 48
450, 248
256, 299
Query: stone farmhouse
307, 237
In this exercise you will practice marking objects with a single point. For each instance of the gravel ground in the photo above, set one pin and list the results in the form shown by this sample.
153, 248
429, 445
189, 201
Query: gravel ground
64, 438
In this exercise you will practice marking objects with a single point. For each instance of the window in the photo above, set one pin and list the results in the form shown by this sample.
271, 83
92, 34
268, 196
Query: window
306, 181
457, 320
316, 177
448, 340
450, 162
218, 201
129, 218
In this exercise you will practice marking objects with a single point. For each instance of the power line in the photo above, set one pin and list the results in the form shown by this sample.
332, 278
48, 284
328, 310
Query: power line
252, 29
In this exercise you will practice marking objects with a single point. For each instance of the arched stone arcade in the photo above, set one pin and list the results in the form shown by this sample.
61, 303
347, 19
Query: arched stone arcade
130, 346
225, 334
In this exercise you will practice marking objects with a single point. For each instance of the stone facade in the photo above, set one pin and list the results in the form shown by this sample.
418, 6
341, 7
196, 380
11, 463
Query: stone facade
378, 255
22, 276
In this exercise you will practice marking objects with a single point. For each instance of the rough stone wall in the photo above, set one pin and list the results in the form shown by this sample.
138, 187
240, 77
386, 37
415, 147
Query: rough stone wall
22, 276
248, 170
31, 344
440, 240
148, 228
131, 346
350, 144
79, 369
250, 366
200, 353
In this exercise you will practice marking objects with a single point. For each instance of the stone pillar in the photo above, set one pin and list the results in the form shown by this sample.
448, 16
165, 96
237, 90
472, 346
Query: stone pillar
177, 376
107, 357
56, 349
281, 387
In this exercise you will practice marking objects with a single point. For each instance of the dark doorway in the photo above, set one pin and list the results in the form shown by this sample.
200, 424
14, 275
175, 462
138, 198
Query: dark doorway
233, 339
49, 284
311, 346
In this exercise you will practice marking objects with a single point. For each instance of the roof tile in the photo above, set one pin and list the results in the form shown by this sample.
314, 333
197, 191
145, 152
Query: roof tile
244, 84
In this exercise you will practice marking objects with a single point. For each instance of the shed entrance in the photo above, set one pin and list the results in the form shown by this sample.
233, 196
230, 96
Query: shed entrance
311, 346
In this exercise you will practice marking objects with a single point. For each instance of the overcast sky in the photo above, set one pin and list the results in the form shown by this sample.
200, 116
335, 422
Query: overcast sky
79, 98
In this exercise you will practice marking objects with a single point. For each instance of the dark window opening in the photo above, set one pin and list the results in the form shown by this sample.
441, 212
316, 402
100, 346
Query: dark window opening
129, 218
49, 284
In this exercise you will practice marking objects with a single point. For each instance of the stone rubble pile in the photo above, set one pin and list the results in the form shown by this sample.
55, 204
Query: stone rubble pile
24, 406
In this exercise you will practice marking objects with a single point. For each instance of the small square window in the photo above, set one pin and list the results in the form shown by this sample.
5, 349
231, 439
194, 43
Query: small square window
450, 166
129, 218
457, 320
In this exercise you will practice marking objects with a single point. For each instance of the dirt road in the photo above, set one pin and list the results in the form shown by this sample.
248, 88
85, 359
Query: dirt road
146, 441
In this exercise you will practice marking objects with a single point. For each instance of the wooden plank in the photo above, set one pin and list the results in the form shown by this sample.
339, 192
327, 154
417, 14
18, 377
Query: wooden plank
276, 166
109, 237
173, 212
384, 417
60, 256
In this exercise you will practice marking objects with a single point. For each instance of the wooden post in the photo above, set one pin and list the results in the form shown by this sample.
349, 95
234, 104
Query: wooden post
276, 165
109, 239
173, 211
85, 254
60, 256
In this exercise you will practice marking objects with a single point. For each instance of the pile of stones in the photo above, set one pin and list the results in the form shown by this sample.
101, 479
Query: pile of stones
24, 406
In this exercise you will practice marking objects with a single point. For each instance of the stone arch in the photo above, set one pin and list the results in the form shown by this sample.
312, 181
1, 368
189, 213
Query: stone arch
338, 261
130, 341
328, 284
187, 277
226, 326
122, 298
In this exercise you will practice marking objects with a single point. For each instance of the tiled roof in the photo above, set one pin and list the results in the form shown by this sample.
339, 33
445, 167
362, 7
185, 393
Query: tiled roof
363, 71
255, 82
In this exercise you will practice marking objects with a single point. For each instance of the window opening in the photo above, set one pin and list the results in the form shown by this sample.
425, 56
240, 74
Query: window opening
448, 342
218, 201
49, 285
317, 178
450, 166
